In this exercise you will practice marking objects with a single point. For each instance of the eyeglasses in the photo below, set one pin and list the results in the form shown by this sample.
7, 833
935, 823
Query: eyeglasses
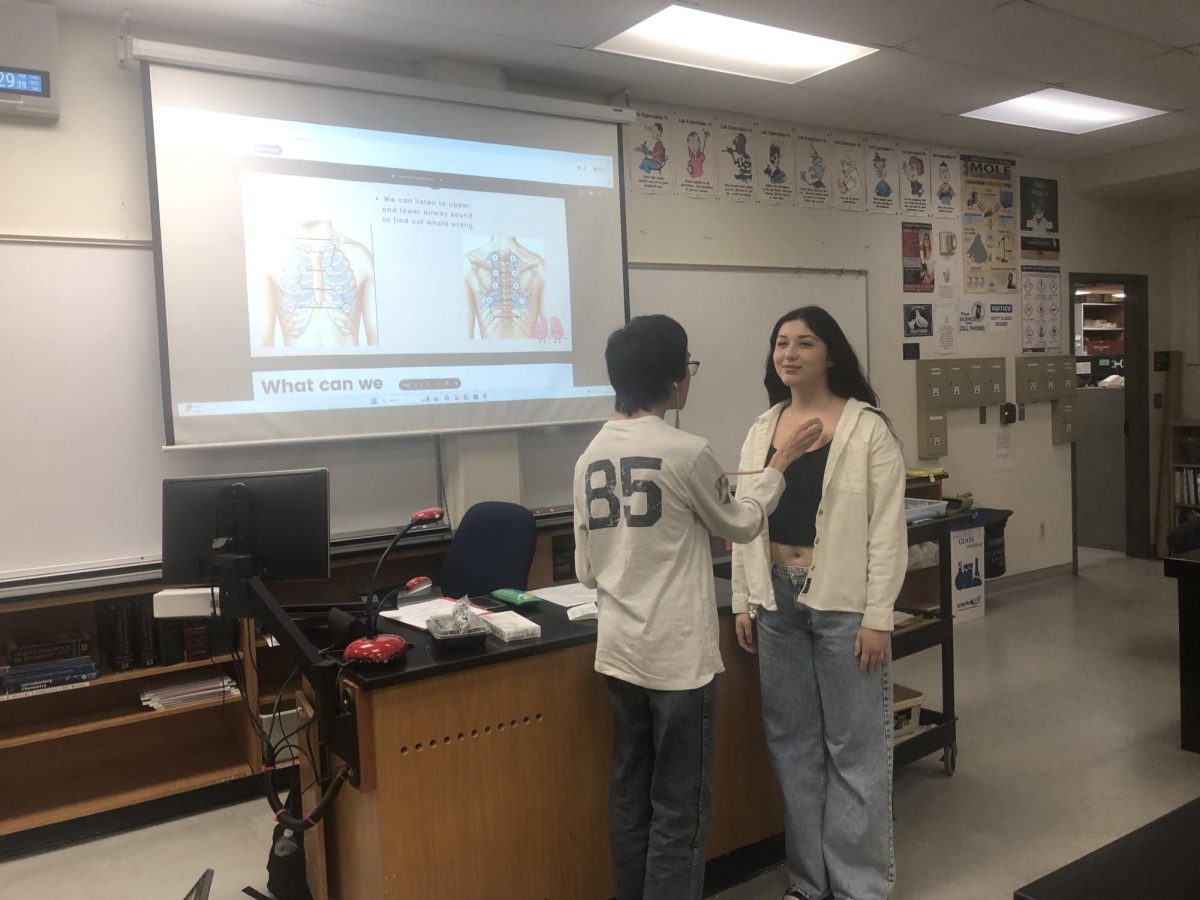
693, 366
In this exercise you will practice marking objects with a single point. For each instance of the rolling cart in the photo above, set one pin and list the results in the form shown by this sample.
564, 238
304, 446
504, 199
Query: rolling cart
936, 728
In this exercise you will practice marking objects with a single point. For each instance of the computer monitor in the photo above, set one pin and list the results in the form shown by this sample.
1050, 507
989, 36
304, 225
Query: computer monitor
280, 519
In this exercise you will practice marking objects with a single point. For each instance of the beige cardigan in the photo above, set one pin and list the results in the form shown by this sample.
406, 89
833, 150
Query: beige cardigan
860, 552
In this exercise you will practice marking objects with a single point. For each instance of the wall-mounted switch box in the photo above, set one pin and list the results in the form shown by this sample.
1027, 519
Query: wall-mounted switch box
931, 432
978, 390
931, 384
1050, 377
957, 389
997, 379
1062, 421
1031, 387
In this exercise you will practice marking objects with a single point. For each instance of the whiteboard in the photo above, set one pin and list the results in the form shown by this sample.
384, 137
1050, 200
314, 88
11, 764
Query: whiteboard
728, 314
82, 456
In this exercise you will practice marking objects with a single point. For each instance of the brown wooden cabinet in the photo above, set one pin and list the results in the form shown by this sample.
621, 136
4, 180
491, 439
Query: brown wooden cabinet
97, 748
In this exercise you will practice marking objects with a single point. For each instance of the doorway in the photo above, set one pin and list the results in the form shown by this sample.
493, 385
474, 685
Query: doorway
1110, 459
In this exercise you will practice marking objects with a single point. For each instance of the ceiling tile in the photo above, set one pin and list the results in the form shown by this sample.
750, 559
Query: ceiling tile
1151, 131
836, 111
1025, 41
1173, 22
436, 36
1168, 81
569, 23
917, 82
975, 134
1074, 146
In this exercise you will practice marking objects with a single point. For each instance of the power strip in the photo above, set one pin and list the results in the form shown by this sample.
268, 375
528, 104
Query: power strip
187, 603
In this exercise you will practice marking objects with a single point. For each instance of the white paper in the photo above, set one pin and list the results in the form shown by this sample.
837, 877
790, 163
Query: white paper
1005, 457
1041, 308
736, 146
882, 178
945, 307
652, 161
944, 179
914, 181
776, 164
693, 136
813, 151
945, 325
417, 614
847, 172
567, 594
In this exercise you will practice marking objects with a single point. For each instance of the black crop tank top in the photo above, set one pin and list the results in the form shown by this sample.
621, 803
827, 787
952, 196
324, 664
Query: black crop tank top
794, 521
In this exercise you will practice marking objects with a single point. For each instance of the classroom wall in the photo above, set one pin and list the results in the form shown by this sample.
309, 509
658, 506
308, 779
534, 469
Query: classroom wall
1097, 236
1120, 236
86, 177
1185, 300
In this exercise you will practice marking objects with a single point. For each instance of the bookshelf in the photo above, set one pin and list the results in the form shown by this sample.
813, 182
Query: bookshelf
96, 748
1100, 322
1185, 471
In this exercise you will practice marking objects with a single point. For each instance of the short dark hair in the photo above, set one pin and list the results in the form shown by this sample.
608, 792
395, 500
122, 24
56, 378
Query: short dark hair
644, 359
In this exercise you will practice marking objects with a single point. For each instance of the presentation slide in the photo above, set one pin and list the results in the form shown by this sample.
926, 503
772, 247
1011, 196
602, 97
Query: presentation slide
338, 267
325, 279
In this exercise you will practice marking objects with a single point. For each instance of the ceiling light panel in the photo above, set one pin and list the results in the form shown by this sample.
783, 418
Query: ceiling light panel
690, 37
1063, 111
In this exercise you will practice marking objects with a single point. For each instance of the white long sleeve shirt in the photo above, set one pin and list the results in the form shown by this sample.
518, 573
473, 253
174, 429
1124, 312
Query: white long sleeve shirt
646, 498
860, 552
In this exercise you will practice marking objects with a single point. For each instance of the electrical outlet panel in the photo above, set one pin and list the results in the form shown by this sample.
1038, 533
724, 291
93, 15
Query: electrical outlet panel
1031, 380
931, 384
1062, 421
931, 433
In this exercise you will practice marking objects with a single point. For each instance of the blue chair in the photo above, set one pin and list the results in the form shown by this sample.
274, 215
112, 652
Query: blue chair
492, 548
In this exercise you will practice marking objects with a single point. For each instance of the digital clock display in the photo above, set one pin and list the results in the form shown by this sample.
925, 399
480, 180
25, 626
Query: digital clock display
24, 81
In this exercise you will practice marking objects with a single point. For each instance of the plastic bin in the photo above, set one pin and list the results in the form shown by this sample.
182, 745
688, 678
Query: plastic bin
994, 521
446, 637
906, 710
279, 726
916, 509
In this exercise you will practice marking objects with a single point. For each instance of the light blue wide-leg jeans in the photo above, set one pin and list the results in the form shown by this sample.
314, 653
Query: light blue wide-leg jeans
829, 733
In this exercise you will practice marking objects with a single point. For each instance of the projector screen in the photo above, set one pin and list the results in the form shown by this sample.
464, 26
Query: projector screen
335, 263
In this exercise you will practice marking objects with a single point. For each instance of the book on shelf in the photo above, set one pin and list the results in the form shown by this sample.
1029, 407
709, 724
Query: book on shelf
1187, 485
34, 648
116, 628
46, 690
145, 634
195, 639
55, 666
170, 641
19, 684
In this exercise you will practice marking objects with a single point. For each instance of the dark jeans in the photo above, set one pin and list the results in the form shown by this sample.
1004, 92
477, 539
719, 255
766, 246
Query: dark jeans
660, 793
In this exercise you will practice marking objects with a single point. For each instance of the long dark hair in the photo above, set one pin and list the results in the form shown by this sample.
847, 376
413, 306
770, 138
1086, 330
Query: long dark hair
846, 378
